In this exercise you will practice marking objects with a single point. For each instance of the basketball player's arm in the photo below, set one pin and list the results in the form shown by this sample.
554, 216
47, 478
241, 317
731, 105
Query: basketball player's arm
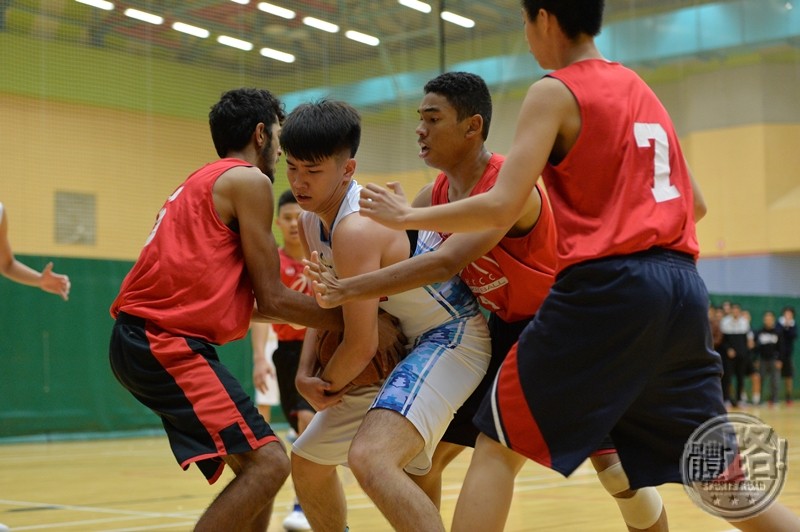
307, 379
700, 208
452, 256
18, 272
245, 194
358, 247
548, 107
259, 336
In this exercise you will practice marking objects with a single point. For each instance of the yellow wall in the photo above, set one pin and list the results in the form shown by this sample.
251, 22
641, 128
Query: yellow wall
750, 178
132, 162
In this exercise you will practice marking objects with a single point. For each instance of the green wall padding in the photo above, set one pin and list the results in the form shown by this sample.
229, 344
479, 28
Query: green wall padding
55, 377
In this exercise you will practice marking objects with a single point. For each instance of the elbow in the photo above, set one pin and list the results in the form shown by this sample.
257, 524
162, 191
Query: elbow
700, 210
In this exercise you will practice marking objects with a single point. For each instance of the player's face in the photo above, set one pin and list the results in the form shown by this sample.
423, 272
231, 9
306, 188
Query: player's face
319, 186
287, 220
271, 152
440, 135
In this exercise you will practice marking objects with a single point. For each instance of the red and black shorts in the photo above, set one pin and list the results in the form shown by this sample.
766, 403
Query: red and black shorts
205, 411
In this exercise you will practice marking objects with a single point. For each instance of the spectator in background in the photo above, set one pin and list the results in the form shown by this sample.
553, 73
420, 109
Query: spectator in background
13, 269
789, 330
768, 348
714, 318
735, 329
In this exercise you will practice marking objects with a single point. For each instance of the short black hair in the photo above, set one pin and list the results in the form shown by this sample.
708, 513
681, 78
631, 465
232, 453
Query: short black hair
234, 118
286, 198
316, 130
467, 93
576, 17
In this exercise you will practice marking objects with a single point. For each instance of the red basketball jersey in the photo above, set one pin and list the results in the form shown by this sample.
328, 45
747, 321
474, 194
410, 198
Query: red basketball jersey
514, 277
292, 276
624, 186
190, 278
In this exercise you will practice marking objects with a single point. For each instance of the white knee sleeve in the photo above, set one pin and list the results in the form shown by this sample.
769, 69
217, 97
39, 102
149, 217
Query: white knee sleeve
640, 511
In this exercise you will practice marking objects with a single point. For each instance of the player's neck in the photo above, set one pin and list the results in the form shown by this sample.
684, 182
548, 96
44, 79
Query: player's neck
581, 50
463, 177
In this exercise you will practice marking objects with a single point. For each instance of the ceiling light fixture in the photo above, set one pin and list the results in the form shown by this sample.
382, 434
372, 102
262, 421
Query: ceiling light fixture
464, 22
278, 11
362, 38
416, 4
277, 54
320, 24
191, 30
235, 43
100, 4
144, 16
243, 2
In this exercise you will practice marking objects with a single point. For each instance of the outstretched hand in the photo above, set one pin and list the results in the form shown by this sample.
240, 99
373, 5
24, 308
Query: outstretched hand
54, 283
387, 207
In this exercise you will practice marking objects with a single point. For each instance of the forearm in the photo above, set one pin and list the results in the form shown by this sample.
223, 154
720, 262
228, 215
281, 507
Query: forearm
307, 366
295, 307
346, 364
20, 273
400, 277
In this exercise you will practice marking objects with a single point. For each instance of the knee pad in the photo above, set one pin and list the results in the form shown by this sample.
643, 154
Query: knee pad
640, 511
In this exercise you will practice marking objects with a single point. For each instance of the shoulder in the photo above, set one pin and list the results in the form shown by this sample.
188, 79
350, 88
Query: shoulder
424, 196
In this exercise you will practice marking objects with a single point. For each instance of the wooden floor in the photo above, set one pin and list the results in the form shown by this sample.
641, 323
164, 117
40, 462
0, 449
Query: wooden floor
135, 484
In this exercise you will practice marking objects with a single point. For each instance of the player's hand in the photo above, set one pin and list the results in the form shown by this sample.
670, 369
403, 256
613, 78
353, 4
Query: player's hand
262, 370
318, 392
54, 283
387, 207
326, 286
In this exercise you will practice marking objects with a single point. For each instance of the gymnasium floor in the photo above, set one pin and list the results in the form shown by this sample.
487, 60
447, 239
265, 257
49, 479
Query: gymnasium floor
135, 484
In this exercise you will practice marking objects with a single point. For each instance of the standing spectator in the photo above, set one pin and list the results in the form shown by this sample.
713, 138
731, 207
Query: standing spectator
768, 348
787, 324
735, 329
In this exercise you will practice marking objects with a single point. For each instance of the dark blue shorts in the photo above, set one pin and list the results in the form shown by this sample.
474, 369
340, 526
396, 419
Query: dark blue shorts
205, 411
621, 346
462, 431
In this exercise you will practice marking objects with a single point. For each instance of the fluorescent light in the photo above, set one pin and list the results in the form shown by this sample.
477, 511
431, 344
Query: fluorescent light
100, 4
276, 10
243, 2
416, 4
143, 16
320, 24
235, 43
191, 30
457, 19
362, 37
277, 54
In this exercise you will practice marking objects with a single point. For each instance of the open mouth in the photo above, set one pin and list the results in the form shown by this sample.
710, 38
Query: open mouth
423, 150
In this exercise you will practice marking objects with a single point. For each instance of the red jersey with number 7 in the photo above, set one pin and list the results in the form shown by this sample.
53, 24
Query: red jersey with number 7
624, 186
190, 278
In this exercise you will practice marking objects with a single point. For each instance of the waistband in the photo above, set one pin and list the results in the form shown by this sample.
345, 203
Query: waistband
124, 318
655, 254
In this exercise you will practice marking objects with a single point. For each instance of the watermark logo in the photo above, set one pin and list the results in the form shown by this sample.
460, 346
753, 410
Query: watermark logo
734, 466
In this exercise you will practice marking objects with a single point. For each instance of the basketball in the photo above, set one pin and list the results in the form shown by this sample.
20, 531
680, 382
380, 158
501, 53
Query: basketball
380, 366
